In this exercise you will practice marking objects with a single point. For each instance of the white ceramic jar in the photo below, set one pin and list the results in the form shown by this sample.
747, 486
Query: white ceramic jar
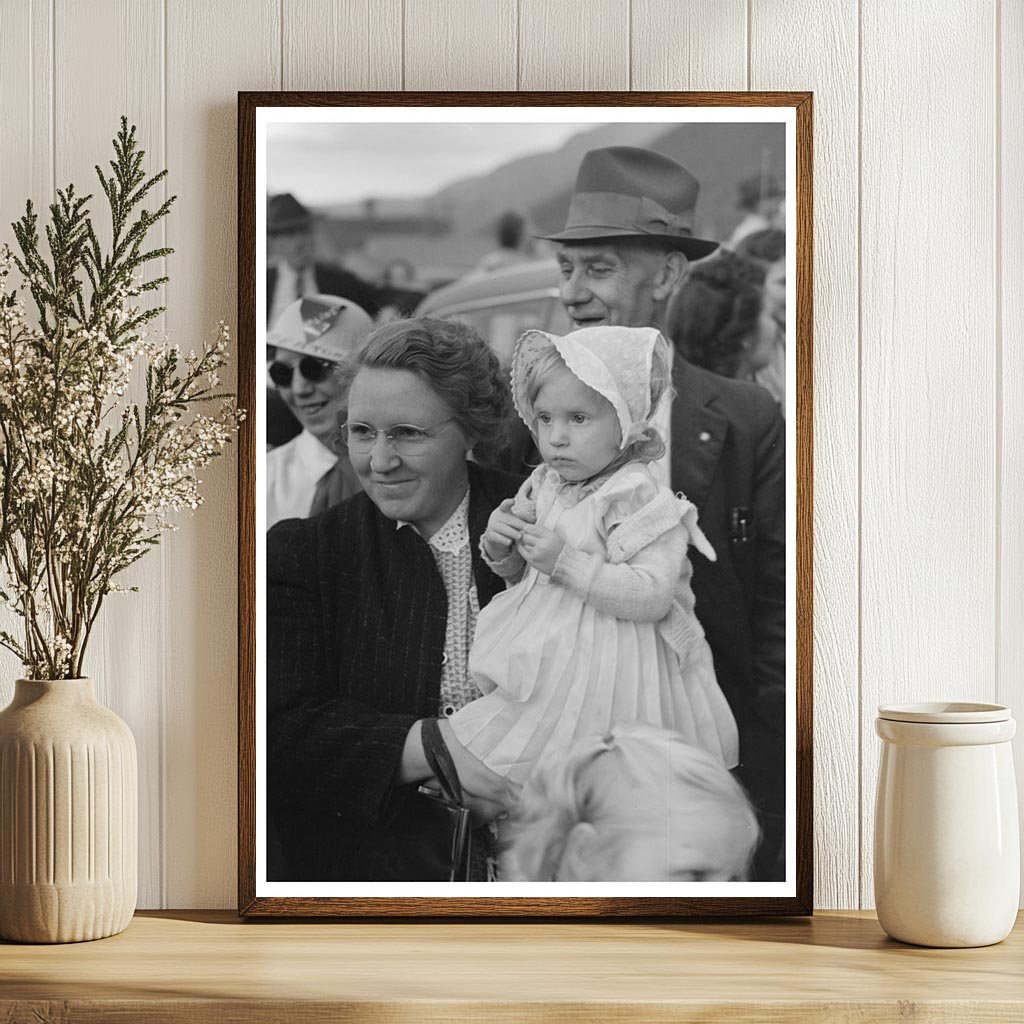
947, 848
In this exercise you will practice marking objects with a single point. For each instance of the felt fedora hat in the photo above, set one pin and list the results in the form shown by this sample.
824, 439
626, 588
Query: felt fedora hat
627, 192
286, 214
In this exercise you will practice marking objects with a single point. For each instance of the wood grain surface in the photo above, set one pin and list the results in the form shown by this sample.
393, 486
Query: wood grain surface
202, 967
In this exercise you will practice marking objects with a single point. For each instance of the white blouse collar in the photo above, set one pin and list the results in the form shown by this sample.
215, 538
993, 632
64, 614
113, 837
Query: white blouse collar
313, 454
454, 534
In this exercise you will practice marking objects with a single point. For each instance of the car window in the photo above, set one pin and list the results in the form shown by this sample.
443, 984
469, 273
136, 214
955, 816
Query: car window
502, 324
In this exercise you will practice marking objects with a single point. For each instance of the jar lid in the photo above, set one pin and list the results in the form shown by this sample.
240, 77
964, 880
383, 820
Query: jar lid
945, 712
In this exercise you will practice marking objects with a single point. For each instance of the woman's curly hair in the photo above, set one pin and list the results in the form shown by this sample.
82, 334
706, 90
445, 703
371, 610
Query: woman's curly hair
457, 363
714, 314
767, 246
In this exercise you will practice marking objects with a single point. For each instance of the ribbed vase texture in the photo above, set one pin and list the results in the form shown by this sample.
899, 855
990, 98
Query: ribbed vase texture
68, 815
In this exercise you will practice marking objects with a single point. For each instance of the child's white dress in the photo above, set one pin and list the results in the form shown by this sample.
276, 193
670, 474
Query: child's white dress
610, 637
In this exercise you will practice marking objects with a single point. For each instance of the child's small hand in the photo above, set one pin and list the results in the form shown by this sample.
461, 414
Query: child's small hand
540, 547
503, 530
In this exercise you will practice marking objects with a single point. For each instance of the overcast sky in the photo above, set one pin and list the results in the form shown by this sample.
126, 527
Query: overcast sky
336, 163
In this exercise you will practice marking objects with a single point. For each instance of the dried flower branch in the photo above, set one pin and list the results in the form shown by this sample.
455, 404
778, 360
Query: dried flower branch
88, 478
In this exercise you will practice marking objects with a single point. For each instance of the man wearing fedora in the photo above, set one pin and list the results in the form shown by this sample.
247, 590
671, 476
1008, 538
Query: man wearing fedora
292, 270
625, 248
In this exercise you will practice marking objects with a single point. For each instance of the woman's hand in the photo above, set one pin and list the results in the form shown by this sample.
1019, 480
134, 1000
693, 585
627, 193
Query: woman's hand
503, 530
540, 547
413, 767
487, 794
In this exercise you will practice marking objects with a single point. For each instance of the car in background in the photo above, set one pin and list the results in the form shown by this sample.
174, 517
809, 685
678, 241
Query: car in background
502, 304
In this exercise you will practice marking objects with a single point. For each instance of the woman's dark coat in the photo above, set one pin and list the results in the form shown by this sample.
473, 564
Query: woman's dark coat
356, 616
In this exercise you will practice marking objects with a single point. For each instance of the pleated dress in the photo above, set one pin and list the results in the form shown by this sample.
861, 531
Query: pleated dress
610, 637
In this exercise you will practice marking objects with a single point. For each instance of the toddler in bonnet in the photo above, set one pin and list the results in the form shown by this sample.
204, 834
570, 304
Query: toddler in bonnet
597, 626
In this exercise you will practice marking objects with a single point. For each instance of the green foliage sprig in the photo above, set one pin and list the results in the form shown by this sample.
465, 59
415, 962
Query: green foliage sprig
88, 477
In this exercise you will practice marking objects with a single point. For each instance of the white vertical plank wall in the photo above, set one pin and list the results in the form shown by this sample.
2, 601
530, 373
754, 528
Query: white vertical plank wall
574, 44
26, 107
128, 81
832, 75
26, 162
213, 50
928, 515
1009, 258
919, 316
342, 44
463, 46
700, 45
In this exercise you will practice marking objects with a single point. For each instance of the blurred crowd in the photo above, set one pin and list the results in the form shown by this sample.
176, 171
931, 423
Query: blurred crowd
727, 316
370, 624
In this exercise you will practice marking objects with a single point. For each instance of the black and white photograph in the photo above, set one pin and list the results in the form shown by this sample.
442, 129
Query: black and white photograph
524, 448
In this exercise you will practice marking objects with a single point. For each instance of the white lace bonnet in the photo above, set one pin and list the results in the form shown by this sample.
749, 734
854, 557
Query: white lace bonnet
614, 361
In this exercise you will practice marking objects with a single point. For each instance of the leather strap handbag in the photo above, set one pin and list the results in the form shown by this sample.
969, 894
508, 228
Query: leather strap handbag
453, 826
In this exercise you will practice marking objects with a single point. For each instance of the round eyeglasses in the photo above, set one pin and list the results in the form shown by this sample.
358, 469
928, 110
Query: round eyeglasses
403, 438
313, 369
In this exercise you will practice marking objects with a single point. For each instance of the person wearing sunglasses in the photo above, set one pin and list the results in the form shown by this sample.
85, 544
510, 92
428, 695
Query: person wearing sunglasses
310, 340
371, 608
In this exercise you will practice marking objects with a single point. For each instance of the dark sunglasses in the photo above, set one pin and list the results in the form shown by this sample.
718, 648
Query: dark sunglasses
313, 369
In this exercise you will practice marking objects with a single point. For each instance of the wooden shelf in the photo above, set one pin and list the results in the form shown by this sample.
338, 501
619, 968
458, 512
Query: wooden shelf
208, 966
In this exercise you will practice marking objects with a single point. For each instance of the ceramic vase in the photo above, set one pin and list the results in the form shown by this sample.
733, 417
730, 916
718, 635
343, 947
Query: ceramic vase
947, 848
68, 815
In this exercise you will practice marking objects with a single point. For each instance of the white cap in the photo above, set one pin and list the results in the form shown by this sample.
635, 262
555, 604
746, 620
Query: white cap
324, 326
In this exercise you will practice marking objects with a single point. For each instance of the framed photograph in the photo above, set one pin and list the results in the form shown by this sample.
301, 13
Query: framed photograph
525, 504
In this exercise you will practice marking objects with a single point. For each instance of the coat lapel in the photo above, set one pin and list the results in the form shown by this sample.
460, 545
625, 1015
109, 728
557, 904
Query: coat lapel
699, 432
481, 505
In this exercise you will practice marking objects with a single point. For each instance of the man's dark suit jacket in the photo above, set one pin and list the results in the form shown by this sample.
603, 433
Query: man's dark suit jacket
729, 458
333, 280
356, 623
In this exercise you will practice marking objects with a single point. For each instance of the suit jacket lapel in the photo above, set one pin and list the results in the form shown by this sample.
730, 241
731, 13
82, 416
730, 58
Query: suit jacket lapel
699, 432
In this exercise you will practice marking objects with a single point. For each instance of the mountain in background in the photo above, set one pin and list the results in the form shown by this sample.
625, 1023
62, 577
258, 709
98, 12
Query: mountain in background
530, 183
453, 228
520, 184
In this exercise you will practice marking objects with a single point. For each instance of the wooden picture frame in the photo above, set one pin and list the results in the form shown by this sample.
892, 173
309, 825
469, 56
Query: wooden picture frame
793, 895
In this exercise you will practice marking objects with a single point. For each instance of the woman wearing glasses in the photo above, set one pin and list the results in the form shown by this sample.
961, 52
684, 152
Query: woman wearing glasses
371, 609
310, 339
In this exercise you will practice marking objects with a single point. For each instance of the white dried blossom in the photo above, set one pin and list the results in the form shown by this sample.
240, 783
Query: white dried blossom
101, 443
